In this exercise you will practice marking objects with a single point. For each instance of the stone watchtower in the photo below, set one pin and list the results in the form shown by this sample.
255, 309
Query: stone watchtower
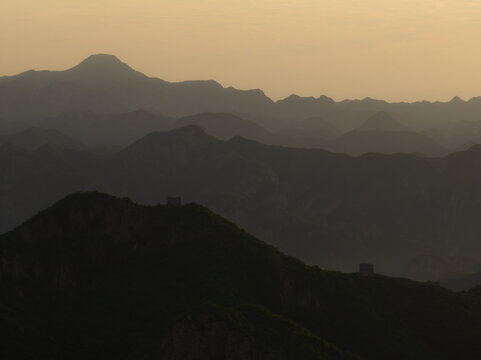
366, 269
174, 200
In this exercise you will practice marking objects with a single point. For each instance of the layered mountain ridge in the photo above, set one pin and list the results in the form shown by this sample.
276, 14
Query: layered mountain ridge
104, 84
396, 211
103, 278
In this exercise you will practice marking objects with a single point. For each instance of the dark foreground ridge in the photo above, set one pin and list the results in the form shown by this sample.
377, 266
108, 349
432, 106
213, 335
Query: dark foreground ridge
97, 277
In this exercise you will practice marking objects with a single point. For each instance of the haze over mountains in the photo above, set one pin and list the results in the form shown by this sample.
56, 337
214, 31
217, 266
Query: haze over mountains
107, 130
358, 142
209, 195
105, 127
86, 273
103, 86
412, 216
102, 83
115, 131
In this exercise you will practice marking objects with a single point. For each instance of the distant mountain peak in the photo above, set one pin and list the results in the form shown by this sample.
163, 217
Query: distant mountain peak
102, 60
296, 99
456, 100
382, 115
193, 130
383, 121
326, 99
224, 126
182, 138
101, 65
317, 122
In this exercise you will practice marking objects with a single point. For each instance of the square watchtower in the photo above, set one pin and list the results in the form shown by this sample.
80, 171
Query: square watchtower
174, 201
366, 269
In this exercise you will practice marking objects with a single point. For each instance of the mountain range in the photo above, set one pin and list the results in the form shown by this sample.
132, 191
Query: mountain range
358, 142
104, 126
107, 130
383, 135
99, 277
103, 102
410, 215
104, 84
95, 265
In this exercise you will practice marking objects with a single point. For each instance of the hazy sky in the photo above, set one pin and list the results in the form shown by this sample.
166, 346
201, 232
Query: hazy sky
391, 49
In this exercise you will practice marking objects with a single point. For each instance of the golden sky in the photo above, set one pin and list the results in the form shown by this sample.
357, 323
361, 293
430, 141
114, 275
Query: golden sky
390, 49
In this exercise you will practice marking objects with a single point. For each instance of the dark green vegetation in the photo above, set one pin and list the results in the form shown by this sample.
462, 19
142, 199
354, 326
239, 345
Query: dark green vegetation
102, 278
411, 216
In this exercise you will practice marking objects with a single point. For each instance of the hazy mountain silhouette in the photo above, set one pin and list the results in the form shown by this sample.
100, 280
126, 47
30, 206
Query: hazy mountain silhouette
296, 107
108, 130
123, 129
33, 138
310, 132
175, 145
225, 126
317, 123
120, 130
111, 279
380, 133
457, 135
104, 84
382, 121
328, 209
102, 69
359, 142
